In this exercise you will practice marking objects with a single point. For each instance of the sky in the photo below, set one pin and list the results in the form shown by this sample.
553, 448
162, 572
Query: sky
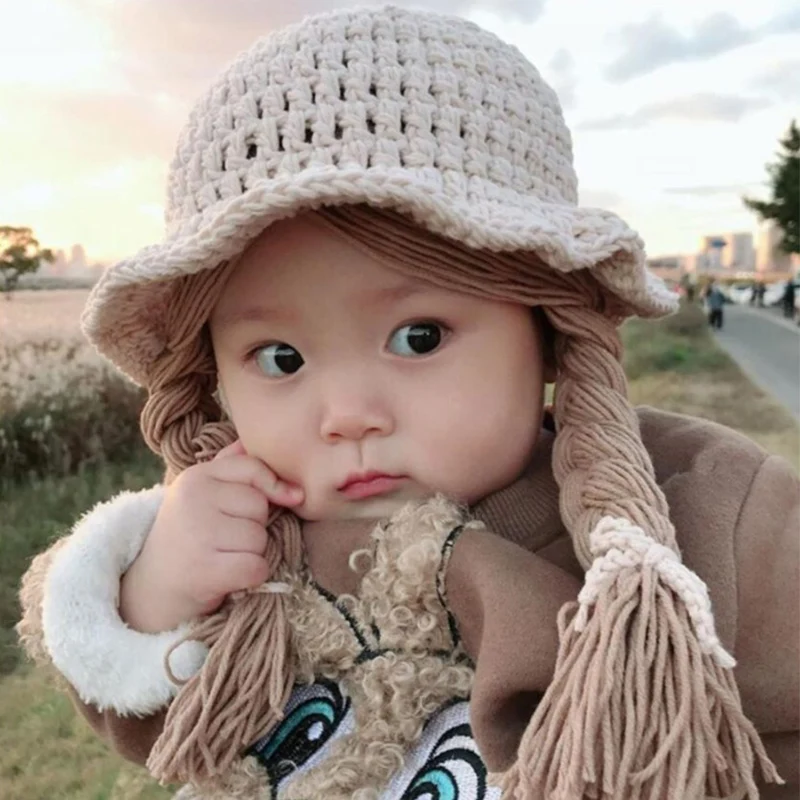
675, 109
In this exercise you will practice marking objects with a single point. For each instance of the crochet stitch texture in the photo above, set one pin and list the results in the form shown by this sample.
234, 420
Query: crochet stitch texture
428, 115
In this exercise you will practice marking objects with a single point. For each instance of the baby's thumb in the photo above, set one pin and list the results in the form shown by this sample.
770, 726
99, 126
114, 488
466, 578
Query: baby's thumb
234, 449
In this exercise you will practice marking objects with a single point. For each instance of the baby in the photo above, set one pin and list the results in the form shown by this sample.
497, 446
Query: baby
359, 579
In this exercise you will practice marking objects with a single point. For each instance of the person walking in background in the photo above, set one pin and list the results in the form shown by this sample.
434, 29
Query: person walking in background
689, 287
788, 300
760, 291
715, 302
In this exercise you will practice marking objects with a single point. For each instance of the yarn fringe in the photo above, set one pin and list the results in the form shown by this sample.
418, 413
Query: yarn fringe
636, 710
238, 695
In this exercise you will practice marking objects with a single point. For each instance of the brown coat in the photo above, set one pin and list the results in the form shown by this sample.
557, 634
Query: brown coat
737, 515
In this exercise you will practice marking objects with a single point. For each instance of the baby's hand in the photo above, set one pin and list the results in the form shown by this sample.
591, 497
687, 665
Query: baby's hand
207, 541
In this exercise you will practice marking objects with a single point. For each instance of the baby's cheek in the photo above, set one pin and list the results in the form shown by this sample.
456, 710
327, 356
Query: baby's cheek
485, 456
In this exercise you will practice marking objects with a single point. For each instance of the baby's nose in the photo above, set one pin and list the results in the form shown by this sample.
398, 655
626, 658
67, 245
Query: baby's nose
353, 409
354, 423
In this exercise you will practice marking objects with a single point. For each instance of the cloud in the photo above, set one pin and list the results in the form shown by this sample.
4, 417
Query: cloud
653, 44
694, 108
711, 191
561, 76
57, 128
785, 22
180, 45
600, 198
781, 81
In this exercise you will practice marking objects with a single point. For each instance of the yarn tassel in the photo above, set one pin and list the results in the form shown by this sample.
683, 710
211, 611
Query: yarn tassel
240, 692
225, 707
643, 704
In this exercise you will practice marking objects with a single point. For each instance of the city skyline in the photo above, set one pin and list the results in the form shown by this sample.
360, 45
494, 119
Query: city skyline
674, 112
725, 251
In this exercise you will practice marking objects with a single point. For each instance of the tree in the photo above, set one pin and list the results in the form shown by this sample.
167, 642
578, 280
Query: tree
784, 206
19, 254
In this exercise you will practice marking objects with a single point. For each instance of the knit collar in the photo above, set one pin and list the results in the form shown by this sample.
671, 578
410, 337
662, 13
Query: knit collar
526, 511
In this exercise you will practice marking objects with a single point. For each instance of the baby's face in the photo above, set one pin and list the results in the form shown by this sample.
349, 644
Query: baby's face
367, 388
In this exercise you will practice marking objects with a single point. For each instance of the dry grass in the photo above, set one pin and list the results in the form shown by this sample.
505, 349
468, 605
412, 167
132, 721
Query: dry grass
62, 406
678, 366
730, 400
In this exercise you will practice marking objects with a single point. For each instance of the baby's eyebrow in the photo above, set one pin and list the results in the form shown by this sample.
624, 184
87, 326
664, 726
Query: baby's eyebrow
389, 294
287, 314
255, 313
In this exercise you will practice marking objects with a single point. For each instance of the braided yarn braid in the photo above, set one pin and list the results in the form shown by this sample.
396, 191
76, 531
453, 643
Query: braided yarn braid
643, 703
244, 684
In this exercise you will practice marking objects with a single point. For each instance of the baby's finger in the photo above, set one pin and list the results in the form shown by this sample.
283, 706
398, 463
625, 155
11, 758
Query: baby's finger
255, 473
234, 449
236, 571
242, 501
242, 536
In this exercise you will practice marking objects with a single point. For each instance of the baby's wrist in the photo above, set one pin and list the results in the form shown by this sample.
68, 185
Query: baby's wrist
146, 609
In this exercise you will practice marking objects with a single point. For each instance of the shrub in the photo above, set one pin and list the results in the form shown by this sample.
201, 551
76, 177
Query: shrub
61, 408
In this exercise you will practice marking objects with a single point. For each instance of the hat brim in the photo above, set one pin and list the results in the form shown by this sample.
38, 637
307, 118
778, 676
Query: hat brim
124, 315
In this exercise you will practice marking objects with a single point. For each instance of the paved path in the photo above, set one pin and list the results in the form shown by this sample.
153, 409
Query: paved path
767, 348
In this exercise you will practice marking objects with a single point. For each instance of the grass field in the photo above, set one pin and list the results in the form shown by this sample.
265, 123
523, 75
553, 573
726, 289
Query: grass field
47, 752
677, 365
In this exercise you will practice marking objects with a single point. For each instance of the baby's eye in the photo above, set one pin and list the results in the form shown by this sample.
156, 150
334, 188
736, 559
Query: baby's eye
416, 339
278, 360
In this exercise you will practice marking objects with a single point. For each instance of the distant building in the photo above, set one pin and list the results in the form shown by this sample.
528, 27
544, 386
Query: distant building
709, 258
77, 261
769, 256
724, 253
72, 266
739, 254
57, 267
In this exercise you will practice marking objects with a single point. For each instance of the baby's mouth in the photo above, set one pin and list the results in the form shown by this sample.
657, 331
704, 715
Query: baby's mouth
359, 486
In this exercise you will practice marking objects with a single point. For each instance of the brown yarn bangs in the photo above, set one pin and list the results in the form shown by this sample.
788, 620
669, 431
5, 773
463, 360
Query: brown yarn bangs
635, 709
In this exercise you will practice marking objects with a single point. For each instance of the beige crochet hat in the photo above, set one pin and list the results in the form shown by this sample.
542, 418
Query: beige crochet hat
428, 115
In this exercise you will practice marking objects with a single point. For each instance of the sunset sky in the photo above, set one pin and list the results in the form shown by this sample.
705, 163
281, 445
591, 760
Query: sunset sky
674, 108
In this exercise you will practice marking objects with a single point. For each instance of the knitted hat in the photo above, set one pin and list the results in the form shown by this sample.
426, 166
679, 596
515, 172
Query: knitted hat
427, 115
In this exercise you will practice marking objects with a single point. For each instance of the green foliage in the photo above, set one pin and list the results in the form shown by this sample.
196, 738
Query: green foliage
20, 254
37, 512
680, 343
784, 205
46, 749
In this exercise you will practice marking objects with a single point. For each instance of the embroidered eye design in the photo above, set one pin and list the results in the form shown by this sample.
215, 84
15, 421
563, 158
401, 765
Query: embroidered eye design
313, 715
454, 771
279, 359
417, 339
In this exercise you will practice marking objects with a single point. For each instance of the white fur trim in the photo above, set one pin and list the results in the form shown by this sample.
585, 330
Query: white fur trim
110, 665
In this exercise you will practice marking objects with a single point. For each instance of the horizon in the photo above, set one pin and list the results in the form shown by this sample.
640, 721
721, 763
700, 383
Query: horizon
674, 113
